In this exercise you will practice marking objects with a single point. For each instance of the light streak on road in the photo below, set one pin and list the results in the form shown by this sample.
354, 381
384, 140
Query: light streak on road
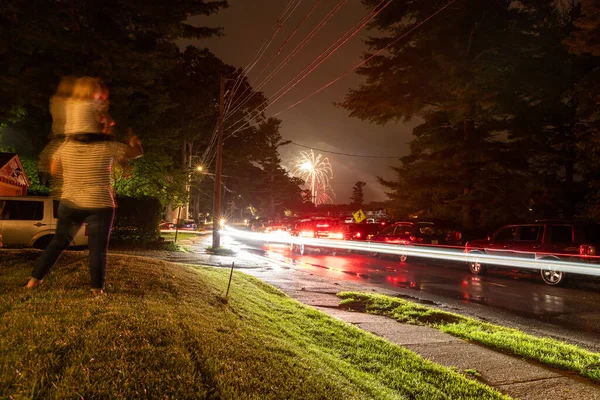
570, 266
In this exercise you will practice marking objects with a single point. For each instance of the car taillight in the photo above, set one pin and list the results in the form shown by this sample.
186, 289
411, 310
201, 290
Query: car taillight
412, 238
586, 250
357, 234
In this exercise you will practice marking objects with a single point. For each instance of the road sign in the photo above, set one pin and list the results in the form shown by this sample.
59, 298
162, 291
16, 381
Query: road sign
359, 216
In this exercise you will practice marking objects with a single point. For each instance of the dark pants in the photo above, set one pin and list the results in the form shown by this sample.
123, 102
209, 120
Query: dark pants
69, 222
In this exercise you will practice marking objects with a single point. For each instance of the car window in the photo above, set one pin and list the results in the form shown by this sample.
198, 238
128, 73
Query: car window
389, 230
506, 234
404, 229
591, 233
530, 233
561, 234
20, 210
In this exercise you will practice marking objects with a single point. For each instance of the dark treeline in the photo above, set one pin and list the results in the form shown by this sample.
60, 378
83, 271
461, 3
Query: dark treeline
167, 95
507, 95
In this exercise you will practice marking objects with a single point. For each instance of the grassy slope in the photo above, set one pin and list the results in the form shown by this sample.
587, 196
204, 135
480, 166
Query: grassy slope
164, 332
545, 350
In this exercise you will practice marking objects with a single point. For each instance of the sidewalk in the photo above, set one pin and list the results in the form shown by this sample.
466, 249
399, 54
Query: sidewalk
510, 375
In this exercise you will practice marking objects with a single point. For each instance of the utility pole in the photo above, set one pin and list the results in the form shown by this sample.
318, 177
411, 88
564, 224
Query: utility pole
216, 242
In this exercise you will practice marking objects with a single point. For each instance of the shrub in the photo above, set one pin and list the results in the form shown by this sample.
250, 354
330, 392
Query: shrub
137, 220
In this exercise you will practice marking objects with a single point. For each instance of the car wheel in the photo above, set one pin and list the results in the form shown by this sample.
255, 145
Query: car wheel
552, 277
43, 242
476, 267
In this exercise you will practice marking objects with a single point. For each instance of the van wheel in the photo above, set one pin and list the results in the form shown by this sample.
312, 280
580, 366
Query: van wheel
553, 277
475, 266
43, 242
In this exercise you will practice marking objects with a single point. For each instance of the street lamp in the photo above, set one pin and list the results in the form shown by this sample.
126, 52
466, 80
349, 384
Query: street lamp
308, 166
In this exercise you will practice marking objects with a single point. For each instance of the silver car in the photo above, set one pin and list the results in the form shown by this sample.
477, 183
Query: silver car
30, 221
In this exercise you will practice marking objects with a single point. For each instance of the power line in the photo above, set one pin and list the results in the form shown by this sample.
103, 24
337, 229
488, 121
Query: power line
314, 64
344, 154
292, 54
288, 11
368, 59
263, 48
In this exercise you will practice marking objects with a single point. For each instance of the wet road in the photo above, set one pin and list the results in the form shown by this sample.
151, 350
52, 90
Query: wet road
574, 308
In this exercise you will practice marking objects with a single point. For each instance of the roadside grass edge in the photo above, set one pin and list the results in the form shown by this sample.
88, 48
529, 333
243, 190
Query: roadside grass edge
545, 350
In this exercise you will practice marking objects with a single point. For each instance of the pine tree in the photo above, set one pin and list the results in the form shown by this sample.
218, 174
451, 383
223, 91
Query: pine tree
451, 73
358, 197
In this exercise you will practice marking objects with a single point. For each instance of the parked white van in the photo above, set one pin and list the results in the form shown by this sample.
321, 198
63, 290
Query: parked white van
31, 221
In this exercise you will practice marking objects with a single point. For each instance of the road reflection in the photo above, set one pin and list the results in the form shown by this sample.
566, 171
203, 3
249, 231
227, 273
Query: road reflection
522, 294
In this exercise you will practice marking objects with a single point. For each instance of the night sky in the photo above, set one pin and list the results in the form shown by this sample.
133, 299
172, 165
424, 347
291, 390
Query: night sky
316, 122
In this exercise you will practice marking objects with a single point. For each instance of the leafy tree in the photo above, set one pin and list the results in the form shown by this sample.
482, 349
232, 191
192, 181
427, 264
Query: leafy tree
556, 119
263, 183
36, 188
586, 39
358, 195
130, 45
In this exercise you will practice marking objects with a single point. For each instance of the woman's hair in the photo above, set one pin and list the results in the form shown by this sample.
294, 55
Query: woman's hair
65, 86
86, 88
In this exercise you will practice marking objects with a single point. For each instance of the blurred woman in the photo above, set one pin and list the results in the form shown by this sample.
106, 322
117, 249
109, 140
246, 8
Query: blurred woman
58, 104
85, 161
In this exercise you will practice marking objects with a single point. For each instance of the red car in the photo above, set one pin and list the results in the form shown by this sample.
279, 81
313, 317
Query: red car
543, 239
419, 233
320, 228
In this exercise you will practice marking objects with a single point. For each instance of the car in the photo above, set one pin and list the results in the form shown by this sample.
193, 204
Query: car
419, 233
188, 224
361, 231
258, 226
30, 221
318, 228
166, 226
567, 240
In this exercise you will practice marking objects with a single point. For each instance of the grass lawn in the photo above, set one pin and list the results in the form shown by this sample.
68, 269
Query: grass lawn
164, 331
180, 235
544, 350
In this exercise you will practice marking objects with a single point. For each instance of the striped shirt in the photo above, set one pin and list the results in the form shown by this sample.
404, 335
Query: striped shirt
86, 172
84, 116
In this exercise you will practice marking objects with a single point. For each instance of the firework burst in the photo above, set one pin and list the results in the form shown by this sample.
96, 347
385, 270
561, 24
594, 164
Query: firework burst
316, 171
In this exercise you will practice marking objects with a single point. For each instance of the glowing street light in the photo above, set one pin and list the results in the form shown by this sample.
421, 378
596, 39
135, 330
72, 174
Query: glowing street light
199, 168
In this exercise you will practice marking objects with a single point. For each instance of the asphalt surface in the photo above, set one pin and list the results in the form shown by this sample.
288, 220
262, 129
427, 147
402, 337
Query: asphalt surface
510, 298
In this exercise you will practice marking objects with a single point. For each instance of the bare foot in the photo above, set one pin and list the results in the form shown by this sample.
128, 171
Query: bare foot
97, 292
33, 282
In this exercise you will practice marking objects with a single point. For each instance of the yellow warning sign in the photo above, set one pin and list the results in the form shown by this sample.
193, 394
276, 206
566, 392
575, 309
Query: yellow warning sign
359, 216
